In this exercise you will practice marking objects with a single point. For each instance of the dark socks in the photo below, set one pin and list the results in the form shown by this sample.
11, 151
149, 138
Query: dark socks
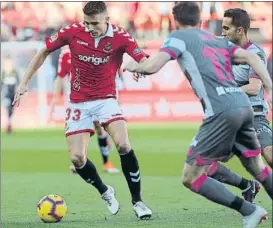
224, 175
104, 149
89, 173
131, 172
219, 193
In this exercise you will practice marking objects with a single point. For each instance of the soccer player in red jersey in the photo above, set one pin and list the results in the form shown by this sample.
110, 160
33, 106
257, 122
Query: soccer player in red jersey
64, 68
96, 48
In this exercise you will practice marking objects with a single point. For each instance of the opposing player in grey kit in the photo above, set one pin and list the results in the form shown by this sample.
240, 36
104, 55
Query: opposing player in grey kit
235, 27
228, 125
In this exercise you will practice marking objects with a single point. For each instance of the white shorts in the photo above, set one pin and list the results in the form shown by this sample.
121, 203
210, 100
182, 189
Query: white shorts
80, 116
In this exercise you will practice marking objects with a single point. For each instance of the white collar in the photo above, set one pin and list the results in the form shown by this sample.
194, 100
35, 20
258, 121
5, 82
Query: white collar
109, 32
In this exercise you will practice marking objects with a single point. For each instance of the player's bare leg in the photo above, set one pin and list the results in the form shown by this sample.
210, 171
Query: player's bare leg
224, 175
104, 146
118, 131
195, 178
77, 145
267, 154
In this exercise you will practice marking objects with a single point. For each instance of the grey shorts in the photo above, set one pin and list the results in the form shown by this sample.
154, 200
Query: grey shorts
223, 133
263, 131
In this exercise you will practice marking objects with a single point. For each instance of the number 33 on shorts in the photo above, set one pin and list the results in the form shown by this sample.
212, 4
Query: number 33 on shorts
76, 115
77, 121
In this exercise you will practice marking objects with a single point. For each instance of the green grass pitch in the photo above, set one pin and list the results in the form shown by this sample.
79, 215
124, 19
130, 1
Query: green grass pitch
35, 163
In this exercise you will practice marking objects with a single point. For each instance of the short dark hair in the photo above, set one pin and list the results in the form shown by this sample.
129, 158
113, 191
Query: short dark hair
93, 8
187, 13
239, 18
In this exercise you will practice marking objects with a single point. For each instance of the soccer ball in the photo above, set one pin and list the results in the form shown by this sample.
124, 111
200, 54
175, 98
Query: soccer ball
52, 208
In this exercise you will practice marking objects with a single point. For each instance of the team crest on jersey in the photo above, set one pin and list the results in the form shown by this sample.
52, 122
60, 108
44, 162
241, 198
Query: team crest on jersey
53, 37
137, 51
108, 47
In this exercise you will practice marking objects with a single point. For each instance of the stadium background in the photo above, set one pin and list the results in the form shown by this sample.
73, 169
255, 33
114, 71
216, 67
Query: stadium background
163, 117
166, 96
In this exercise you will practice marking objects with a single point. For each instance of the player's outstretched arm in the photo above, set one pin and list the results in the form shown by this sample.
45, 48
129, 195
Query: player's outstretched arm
150, 65
34, 65
242, 56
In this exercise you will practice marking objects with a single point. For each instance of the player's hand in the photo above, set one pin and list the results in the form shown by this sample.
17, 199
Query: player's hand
132, 67
20, 91
137, 76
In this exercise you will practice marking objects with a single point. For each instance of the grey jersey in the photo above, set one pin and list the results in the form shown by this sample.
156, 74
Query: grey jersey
206, 62
243, 73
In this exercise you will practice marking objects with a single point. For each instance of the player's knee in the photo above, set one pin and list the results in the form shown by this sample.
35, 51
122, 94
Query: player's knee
78, 160
123, 147
193, 175
186, 179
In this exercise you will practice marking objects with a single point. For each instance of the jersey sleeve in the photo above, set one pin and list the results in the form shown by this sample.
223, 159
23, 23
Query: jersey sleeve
58, 39
173, 46
64, 65
132, 49
252, 73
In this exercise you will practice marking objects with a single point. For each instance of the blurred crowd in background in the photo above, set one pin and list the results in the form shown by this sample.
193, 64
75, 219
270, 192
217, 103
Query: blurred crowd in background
145, 20
148, 22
